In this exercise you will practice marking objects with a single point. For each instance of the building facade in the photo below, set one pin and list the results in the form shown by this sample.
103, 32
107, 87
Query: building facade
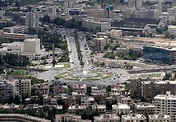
32, 20
159, 54
23, 87
166, 104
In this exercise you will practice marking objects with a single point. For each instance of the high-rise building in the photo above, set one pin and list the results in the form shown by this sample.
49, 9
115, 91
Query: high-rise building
23, 87
131, 3
32, 20
138, 4
160, 6
166, 104
6, 90
135, 4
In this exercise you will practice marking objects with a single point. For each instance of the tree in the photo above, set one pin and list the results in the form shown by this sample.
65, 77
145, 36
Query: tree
167, 34
108, 89
89, 90
122, 1
46, 18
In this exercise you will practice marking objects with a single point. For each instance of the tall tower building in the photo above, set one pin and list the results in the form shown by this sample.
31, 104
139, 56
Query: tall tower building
138, 4
131, 3
160, 6
32, 20
54, 10
135, 4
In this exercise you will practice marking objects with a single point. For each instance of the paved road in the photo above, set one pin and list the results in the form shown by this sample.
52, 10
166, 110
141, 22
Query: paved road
73, 52
151, 70
85, 51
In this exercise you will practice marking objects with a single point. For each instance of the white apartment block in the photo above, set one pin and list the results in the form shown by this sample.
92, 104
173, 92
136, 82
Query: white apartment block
159, 118
107, 118
166, 104
23, 87
133, 118
120, 108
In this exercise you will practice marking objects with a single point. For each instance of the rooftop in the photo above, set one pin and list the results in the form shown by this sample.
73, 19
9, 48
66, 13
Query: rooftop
121, 106
107, 117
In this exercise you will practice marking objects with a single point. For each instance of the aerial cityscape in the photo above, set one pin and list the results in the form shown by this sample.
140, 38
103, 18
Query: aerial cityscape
87, 60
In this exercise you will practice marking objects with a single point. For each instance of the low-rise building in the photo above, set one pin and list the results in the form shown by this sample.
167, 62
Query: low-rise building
80, 89
100, 108
159, 118
133, 117
95, 90
15, 29
115, 33
120, 108
172, 29
76, 109
144, 108
41, 89
87, 101
60, 89
107, 118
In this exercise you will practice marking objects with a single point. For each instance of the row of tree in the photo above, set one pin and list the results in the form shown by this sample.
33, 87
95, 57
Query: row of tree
14, 60
73, 24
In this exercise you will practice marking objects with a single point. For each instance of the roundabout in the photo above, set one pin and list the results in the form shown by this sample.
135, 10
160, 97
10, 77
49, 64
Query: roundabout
83, 75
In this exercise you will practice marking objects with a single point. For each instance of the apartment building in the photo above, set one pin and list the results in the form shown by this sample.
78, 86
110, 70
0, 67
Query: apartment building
87, 101
95, 90
144, 108
120, 108
60, 89
107, 118
80, 89
32, 20
100, 43
159, 118
133, 118
76, 109
149, 89
166, 104
23, 87
100, 108
41, 89
6, 90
